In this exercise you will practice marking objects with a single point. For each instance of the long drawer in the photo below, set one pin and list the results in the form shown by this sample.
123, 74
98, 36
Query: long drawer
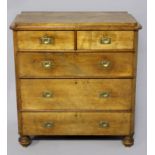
71, 123
101, 65
76, 94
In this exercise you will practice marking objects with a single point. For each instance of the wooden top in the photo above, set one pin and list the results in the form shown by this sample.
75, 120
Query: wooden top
75, 21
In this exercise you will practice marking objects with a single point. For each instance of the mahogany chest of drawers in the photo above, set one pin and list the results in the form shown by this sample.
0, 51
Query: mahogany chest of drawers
75, 74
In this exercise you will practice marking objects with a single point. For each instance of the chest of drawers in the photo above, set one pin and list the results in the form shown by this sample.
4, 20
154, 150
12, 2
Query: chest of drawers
75, 74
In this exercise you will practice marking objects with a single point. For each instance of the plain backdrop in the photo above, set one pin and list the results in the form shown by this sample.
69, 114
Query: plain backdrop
83, 147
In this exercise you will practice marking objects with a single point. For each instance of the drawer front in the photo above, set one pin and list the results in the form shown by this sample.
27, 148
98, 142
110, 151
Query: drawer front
72, 123
55, 65
105, 40
45, 40
76, 94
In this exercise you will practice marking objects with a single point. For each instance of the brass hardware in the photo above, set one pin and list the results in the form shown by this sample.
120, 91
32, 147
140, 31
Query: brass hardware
47, 94
105, 40
104, 124
105, 63
104, 94
47, 40
47, 64
48, 125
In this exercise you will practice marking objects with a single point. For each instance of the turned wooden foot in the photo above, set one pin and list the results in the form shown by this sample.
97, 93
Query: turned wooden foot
25, 141
128, 141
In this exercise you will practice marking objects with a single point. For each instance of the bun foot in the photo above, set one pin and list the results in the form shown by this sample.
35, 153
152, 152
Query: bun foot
25, 141
128, 141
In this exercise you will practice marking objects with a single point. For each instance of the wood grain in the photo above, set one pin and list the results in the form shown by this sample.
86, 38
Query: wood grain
77, 77
91, 39
17, 84
75, 123
76, 94
80, 65
75, 21
30, 40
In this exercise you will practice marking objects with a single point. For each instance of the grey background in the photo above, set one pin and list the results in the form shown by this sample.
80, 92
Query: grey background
76, 147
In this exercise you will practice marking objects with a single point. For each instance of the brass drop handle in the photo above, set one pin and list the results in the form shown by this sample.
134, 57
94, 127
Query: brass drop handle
105, 63
47, 94
47, 64
104, 94
105, 40
48, 124
47, 40
103, 124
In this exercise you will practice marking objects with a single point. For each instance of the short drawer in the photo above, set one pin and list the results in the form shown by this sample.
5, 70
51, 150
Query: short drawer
113, 40
101, 65
45, 40
71, 123
76, 94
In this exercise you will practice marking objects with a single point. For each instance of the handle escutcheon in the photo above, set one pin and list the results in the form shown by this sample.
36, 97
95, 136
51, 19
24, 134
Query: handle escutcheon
46, 40
105, 63
105, 40
48, 125
47, 94
103, 124
47, 64
104, 95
